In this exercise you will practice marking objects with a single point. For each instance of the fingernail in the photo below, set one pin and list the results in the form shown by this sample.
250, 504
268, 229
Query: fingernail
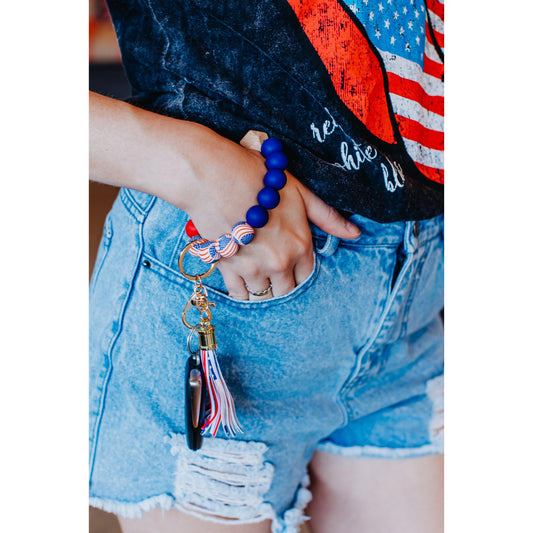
353, 229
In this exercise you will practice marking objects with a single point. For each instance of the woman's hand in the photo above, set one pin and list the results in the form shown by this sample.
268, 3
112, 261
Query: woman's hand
215, 181
281, 254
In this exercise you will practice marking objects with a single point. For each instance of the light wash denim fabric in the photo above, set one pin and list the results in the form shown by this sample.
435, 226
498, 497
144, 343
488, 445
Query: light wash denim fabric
349, 362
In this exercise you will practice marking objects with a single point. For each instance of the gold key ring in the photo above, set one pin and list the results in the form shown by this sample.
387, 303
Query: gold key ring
196, 276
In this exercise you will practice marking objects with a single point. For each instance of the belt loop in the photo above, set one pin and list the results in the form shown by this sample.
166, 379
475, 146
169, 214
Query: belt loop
330, 247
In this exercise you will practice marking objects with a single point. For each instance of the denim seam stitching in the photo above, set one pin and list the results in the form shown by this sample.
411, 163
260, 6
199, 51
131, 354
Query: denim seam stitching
133, 207
177, 246
109, 351
355, 244
407, 306
350, 381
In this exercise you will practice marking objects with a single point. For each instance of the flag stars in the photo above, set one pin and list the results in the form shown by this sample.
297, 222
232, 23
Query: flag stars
394, 24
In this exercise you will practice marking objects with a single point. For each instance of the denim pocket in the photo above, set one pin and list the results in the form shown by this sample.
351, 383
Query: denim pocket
215, 285
215, 282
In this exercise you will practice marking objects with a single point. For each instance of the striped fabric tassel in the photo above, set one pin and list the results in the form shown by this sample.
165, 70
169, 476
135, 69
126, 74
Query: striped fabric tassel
221, 412
221, 409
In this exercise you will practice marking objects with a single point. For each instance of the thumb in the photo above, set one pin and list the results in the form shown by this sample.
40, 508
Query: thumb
326, 217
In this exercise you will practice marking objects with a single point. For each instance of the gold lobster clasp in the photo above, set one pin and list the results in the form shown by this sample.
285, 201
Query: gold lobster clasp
199, 298
201, 303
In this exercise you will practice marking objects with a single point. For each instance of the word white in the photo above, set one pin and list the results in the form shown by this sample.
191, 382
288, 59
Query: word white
353, 157
353, 161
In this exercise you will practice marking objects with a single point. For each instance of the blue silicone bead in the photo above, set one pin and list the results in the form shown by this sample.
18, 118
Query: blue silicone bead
276, 160
271, 145
275, 178
268, 198
257, 216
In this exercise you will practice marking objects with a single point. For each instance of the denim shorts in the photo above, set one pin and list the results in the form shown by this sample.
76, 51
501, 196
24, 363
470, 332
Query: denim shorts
350, 362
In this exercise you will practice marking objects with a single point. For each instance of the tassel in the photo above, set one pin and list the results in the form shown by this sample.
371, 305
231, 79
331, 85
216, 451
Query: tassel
221, 411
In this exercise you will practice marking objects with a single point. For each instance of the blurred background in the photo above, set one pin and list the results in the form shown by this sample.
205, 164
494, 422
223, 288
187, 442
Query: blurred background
106, 76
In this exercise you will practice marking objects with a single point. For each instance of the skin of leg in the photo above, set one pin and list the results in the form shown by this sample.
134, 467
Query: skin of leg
174, 521
367, 495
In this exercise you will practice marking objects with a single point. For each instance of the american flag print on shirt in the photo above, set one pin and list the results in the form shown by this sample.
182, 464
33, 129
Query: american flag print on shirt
386, 61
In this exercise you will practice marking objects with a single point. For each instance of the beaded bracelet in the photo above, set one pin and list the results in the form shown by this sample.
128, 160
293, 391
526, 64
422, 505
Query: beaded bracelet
257, 216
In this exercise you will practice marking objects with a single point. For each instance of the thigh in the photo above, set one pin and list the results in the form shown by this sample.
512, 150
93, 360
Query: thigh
174, 521
371, 495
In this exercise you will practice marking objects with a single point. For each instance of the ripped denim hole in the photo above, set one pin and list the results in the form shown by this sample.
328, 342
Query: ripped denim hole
224, 481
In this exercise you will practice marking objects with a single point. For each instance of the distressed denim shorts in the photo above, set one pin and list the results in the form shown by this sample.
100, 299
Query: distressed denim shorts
350, 362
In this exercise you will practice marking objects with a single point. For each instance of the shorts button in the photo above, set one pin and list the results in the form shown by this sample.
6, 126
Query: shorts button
147, 263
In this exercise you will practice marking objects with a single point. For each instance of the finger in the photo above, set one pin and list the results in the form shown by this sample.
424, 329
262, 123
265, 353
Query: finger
326, 217
304, 267
282, 283
234, 283
258, 285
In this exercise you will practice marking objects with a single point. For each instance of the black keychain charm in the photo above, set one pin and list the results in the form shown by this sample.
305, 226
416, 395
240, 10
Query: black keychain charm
196, 400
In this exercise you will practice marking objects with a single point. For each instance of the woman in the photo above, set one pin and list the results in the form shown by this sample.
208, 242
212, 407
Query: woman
328, 323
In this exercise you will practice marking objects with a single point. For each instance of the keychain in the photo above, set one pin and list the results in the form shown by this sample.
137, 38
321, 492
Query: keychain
208, 402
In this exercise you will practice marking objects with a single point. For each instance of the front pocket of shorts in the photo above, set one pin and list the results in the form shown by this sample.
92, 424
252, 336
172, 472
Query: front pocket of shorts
217, 286
217, 290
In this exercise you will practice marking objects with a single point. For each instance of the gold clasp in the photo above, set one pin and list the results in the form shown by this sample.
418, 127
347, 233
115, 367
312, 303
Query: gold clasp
201, 303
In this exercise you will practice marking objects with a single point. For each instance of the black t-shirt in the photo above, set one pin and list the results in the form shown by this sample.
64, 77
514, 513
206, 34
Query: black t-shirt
353, 89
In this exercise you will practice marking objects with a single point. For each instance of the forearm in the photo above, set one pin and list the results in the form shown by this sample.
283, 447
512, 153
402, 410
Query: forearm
215, 181
135, 148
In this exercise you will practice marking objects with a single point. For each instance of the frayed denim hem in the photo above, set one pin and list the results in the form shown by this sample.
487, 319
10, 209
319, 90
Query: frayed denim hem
384, 453
292, 518
289, 522
132, 510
